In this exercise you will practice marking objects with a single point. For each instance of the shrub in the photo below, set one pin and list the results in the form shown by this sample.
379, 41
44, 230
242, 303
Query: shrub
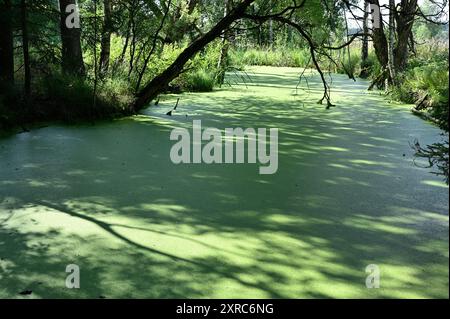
427, 86
200, 81
281, 57
349, 64
372, 64
71, 99
116, 92
12, 109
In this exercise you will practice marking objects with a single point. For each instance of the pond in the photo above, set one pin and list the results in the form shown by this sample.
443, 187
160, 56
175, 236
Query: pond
347, 194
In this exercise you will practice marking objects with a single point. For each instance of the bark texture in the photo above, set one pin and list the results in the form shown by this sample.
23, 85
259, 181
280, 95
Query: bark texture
72, 56
6, 43
161, 81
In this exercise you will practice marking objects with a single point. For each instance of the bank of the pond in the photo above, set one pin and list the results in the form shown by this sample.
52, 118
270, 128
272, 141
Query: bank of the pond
347, 194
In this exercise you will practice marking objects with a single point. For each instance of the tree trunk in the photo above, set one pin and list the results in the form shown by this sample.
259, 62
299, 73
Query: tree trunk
106, 37
153, 49
223, 58
160, 82
365, 43
25, 49
394, 59
391, 43
6, 44
127, 37
125, 45
405, 21
132, 48
271, 36
72, 55
379, 39
94, 92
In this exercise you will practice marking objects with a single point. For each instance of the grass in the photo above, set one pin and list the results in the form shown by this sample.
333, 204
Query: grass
73, 99
200, 81
267, 57
427, 86
106, 197
64, 98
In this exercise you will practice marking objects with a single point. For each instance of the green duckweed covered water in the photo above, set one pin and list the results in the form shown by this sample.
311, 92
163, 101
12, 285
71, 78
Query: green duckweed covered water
347, 194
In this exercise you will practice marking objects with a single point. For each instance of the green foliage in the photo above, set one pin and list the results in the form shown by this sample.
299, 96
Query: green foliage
426, 84
201, 71
72, 99
370, 67
199, 75
10, 96
350, 64
426, 30
372, 64
199, 81
433, 79
300, 57
281, 57
5, 114
116, 92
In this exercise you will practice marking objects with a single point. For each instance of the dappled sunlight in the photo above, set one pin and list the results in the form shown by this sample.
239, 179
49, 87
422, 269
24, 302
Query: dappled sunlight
347, 194
440, 184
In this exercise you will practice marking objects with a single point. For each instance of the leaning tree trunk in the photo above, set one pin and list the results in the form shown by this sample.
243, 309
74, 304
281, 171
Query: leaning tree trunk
72, 56
6, 44
106, 38
160, 82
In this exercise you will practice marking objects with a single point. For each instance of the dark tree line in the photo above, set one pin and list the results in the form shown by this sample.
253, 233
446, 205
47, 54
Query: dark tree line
146, 27
57, 56
6, 43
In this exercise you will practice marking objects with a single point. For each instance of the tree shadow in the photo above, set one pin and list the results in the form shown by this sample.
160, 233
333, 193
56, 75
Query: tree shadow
107, 198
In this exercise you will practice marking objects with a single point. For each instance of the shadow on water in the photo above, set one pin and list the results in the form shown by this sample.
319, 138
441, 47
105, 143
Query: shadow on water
346, 195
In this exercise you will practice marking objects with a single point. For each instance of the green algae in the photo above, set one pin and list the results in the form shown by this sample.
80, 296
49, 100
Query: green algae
347, 194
